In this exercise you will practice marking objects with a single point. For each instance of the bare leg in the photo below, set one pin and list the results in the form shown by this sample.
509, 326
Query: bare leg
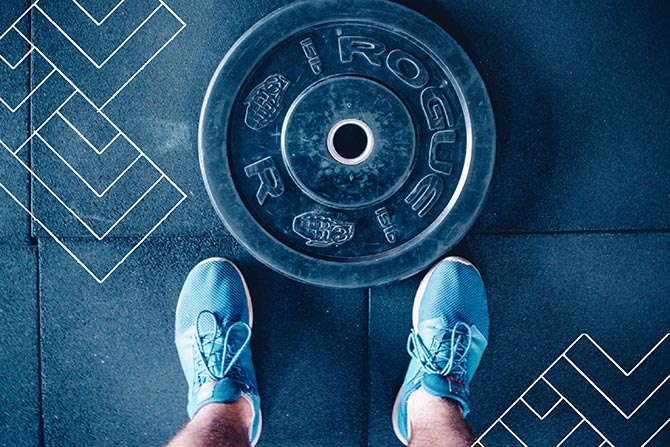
217, 425
436, 421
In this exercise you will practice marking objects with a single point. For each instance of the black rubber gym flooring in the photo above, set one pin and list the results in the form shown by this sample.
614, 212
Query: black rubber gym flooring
573, 244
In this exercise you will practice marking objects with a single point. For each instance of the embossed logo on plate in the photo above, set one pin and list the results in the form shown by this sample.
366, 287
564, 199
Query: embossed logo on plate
386, 222
322, 230
265, 101
312, 55
425, 194
271, 182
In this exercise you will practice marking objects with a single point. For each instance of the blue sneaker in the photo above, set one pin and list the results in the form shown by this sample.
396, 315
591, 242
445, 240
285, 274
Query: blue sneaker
450, 332
212, 334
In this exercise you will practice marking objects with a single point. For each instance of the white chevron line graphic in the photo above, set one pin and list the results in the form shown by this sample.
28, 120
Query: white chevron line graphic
656, 432
14, 109
162, 4
98, 65
90, 16
74, 213
25, 56
570, 433
574, 408
183, 25
99, 279
512, 433
538, 414
564, 356
15, 22
88, 185
83, 137
36, 133
606, 442
594, 385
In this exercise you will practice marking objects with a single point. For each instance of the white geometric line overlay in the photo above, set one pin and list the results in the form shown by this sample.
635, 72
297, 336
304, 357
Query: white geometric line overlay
579, 408
93, 19
69, 157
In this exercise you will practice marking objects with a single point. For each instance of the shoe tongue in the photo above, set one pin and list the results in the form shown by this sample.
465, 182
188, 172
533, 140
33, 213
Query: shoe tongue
432, 324
226, 391
432, 330
213, 348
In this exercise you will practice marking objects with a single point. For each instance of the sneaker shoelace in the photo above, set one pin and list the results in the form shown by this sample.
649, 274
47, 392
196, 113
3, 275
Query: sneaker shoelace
448, 357
211, 345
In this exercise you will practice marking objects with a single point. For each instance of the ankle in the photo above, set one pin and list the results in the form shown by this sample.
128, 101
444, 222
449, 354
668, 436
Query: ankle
216, 425
424, 409
237, 414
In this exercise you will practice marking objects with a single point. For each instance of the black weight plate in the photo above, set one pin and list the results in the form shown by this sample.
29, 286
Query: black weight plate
347, 144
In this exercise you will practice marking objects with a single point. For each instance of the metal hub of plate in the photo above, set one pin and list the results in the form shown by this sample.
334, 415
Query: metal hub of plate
321, 172
347, 143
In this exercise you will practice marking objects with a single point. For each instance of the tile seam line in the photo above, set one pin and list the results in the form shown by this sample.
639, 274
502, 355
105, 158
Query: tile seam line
31, 228
22, 243
226, 236
115, 239
34, 240
368, 406
40, 379
571, 232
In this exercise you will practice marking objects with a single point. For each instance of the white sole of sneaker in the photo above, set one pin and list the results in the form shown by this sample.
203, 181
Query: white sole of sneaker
260, 420
394, 419
415, 324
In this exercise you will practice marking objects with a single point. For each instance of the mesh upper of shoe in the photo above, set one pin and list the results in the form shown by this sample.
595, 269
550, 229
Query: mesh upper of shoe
215, 286
455, 292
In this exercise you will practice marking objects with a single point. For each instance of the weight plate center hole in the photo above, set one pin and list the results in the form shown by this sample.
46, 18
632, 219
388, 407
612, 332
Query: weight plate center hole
350, 141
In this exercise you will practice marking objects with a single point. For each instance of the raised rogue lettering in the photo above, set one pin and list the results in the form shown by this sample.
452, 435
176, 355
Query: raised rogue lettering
367, 47
425, 194
436, 109
442, 161
271, 182
414, 72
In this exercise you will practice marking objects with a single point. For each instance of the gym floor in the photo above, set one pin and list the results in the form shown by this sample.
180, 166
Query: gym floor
573, 244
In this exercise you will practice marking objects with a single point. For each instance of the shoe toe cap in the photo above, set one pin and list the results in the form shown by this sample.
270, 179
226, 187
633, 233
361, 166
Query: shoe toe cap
455, 292
214, 285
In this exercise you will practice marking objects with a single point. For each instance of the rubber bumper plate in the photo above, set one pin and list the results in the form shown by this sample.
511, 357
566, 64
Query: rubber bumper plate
347, 144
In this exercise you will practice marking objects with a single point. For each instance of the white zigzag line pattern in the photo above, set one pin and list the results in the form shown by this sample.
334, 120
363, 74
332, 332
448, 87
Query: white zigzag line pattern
23, 58
32, 92
98, 65
35, 5
104, 19
606, 442
119, 132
